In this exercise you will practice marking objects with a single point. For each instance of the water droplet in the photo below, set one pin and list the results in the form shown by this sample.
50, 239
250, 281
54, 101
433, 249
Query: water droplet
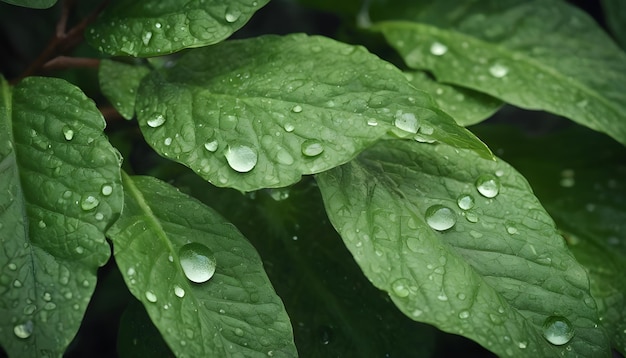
157, 25
211, 146
42, 224
558, 330
464, 314
438, 49
106, 190
312, 148
296, 109
442, 297
150, 296
239, 332
79, 250
89, 202
146, 38
197, 261
179, 291
289, 127
498, 70
511, 229
156, 121
471, 216
406, 122
232, 16
488, 185
372, 122
24, 330
440, 217
465, 201
400, 287
522, 345
68, 133
241, 158
167, 141
12, 266
130, 271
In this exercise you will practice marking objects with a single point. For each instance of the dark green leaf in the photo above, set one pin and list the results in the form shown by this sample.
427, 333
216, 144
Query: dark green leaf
615, 13
466, 106
159, 27
262, 112
235, 312
579, 176
60, 189
35, 4
480, 260
525, 53
119, 82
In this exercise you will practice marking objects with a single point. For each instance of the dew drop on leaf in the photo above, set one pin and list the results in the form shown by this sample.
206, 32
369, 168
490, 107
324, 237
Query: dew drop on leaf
438, 49
232, 15
406, 122
89, 202
106, 190
558, 330
23, 330
150, 296
312, 148
498, 70
241, 158
440, 217
289, 127
297, 109
400, 287
464, 314
488, 185
197, 261
156, 121
465, 201
211, 146
179, 291
68, 133
239, 332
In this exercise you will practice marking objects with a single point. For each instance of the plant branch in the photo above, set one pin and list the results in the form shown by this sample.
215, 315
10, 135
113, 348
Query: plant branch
63, 62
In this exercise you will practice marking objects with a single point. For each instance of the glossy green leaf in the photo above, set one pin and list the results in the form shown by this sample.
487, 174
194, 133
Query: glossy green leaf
60, 188
262, 112
579, 175
119, 82
466, 106
615, 13
525, 53
159, 27
482, 260
35, 4
335, 311
235, 312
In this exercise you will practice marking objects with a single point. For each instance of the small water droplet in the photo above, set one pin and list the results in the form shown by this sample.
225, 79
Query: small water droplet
167, 141
79, 250
146, 38
438, 49
239, 332
498, 70
24, 330
488, 185
157, 25
197, 261
400, 287
372, 122
89, 202
41, 224
511, 229
289, 127
12, 266
296, 109
440, 217
312, 148
522, 345
156, 121
130, 271
150, 296
68, 133
465, 201
464, 314
241, 158
179, 291
232, 16
406, 122
558, 330
211, 146
442, 297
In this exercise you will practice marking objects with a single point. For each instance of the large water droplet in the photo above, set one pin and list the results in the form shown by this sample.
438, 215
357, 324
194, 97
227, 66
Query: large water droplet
488, 185
558, 330
68, 133
440, 217
498, 70
406, 122
438, 49
156, 121
89, 202
312, 148
400, 287
465, 201
241, 158
24, 330
197, 261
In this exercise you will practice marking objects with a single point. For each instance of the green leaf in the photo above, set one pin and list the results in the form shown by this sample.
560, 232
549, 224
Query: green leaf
119, 82
466, 106
159, 27
493, 272
579, 175
525, 53
615, 13
60, 189
235, 312
262, 112
34, 4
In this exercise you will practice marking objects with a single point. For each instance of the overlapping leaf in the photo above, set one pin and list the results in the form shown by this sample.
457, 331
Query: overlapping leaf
35, 4
615, 13
236, 312
495, 271
119, 82
59, 190
525, 53
262, 112
159, 27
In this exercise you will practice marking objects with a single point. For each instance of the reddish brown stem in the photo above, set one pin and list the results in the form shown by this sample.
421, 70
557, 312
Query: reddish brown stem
63, 62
